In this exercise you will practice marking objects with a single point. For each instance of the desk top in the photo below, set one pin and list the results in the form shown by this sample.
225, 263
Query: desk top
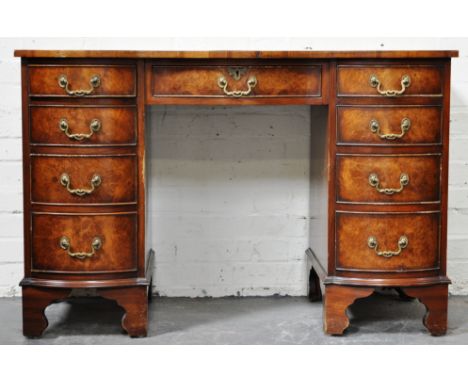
236, 54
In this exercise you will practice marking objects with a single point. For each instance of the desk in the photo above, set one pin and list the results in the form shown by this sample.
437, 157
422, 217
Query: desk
381, 165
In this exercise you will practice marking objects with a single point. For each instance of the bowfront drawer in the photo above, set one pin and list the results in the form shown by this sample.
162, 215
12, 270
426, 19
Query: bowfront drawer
388, 179
64, 243
288, 80
390, 80
82, 80
83, 125
389, 125
57, 179
387, 242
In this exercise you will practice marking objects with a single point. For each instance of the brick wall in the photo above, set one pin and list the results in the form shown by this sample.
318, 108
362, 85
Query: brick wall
230, 209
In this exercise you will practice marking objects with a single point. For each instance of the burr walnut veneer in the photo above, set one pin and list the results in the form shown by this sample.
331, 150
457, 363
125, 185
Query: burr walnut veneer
380, 169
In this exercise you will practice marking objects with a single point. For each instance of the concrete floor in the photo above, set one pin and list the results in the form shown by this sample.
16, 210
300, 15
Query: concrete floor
380, 319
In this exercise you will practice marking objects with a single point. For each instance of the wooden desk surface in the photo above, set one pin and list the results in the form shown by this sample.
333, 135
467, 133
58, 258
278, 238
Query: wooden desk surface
240, 54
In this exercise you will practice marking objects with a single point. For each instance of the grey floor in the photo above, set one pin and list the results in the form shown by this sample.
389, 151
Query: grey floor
379, 319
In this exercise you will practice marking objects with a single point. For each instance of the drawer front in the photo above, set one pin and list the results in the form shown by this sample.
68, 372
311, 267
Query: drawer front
83, 125
388, 179
82, 81
84, 243
385, 81
227, 81
57, 179
387, 242
392, 125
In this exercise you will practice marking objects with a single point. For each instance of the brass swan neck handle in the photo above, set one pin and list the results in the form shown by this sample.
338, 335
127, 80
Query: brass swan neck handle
404, 127
374, 181
94, 127
95, 82
373, 244
405, 83
223, 84
65, 244
65, 181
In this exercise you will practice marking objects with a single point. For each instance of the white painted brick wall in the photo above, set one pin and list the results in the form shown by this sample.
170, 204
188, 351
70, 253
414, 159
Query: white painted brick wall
230, 201
232, 195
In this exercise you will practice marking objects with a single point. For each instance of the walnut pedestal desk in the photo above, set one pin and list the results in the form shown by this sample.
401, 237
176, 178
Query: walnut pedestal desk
379, 169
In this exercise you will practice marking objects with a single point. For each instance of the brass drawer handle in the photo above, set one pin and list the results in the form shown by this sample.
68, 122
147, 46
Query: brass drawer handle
95, 82
96, 244
405, 83
66, 182
375, 182
94, 127
373, 244
404, 126
223, 84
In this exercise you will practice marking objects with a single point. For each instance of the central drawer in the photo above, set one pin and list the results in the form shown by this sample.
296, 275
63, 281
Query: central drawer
82, 243
388, 178
280, 80
92, 179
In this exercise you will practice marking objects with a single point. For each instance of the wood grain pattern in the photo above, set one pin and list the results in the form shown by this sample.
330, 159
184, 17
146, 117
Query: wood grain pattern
117, 80
353, 178
134, 300
116, 231
26, 150
117, 173
435, 299
240, 54
118, 125
387, 280
35, 301
326, 260
354, 80
445, 169
353, 124
337, 299
354, 229
272, 80
145, 255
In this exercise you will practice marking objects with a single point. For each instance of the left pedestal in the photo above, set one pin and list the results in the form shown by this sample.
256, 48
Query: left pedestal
83, 186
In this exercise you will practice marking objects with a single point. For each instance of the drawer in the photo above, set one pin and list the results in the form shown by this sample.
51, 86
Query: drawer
235, 81
388, 179
83, 125
84, 243
67, 179
387, 242
388, 125
82, 80
388, 81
